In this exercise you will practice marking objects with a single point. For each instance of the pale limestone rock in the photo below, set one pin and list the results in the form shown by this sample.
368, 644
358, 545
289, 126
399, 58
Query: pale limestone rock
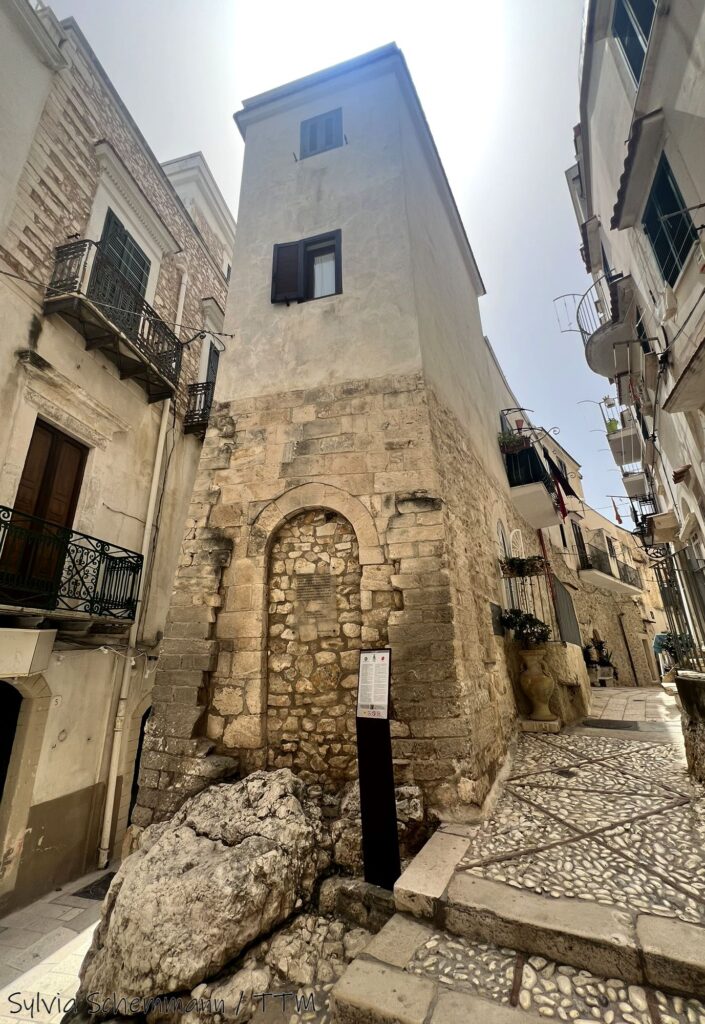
229, 866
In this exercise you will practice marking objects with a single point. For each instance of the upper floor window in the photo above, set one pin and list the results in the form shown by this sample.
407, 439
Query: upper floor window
632, 27
668, 224
325, 131
124, 253
308, 269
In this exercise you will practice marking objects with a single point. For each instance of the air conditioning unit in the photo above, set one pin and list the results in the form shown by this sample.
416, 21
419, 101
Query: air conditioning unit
667, 305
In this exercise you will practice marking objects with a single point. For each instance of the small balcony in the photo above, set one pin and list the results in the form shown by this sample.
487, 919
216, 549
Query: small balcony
62, 574
635, 481
198, 409
605, 317
600, 569
92, 295
625, 438
533, 490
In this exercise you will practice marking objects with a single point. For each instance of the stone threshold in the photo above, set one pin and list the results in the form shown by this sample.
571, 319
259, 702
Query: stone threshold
641, 948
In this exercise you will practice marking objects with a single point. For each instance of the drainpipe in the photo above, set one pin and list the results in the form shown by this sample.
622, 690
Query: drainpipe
121, 711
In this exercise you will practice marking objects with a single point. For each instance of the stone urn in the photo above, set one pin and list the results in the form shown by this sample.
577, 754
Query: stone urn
537, 684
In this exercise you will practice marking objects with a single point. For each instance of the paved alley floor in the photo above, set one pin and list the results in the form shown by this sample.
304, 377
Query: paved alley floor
41, 949
634, 704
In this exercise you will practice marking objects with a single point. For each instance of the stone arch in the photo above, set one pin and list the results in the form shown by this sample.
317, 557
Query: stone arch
237, 717
315, 495
21, 773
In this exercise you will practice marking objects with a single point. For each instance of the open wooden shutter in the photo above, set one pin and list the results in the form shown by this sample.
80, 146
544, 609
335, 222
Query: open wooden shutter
288, 272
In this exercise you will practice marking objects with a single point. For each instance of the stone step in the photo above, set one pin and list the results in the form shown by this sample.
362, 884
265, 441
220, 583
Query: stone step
413, 973
640, 948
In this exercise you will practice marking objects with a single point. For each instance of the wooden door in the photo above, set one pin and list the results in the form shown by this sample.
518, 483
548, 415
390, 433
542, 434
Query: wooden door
36, 537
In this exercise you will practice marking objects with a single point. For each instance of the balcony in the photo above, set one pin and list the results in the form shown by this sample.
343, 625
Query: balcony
601, 570
532, 487
61, 573
605, 317
635, 481
628, 445
91, 294
198, 410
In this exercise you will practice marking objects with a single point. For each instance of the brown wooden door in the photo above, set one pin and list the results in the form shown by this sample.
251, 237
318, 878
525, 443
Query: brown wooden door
35, 545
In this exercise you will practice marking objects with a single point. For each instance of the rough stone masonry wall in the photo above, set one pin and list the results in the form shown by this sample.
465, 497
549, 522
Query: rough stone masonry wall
473, 505
363, 450
313, 640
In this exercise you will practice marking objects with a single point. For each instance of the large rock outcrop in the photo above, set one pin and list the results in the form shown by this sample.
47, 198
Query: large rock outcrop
232, 864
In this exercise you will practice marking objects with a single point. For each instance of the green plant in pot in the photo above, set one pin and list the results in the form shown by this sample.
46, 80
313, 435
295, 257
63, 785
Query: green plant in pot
612, 426
530, 635
513, 567
511, 442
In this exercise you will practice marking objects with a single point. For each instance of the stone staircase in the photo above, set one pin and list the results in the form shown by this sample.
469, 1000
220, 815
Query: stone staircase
580, 899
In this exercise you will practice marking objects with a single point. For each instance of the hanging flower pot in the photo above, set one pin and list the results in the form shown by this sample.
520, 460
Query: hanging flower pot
514, 568
510, 443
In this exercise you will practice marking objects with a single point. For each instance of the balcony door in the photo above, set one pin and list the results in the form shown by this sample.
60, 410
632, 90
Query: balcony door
120, 274
34, 537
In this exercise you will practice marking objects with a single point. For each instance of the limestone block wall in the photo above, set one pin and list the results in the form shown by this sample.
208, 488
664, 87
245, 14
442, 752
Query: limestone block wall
239, 672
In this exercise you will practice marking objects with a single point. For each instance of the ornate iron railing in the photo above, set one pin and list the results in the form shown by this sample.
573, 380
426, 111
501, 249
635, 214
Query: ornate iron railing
681, 581
55, 568
595, 308
628, 574
527, 467
83, 268
594, 557
198, 410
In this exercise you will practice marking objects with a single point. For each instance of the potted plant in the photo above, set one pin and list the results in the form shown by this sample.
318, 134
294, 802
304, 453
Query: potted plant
513, 567
530, 634
613, 426
511, 442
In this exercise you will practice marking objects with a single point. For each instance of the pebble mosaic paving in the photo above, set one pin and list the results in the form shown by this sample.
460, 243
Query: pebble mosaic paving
614, 821
551, 990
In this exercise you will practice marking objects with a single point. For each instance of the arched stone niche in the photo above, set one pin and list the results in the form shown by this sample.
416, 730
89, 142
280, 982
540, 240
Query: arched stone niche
313, 638
241, 715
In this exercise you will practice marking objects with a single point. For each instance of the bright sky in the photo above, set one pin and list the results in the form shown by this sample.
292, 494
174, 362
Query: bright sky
498, 80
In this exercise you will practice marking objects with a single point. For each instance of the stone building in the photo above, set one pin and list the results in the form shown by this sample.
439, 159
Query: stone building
638, 186
351, 492
113, 270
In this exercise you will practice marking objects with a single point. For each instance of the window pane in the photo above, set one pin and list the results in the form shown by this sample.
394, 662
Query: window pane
324, 275
626, 31
643, 13
667, 224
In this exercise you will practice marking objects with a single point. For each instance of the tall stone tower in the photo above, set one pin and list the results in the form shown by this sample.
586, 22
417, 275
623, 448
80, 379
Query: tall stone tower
350, 488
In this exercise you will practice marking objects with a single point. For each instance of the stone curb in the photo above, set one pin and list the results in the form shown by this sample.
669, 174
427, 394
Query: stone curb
641, 948
371, 991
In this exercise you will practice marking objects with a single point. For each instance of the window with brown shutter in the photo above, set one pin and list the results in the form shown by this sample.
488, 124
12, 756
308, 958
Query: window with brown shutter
308, 269
321, 133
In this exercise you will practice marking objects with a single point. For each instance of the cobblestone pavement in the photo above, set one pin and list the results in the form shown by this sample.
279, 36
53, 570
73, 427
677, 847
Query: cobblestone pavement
542, 987
601, 819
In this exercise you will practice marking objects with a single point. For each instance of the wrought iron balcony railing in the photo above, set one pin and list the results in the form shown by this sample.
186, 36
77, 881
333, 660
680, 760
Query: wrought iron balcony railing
681, 581
595, 309
51, 567
198, 410
97, 299
628, 574
527, 467
594, 557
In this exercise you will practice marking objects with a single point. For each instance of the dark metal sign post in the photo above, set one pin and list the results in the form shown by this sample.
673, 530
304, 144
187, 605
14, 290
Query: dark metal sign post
380, 840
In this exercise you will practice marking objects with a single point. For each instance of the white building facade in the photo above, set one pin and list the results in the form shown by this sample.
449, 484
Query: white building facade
638, 188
